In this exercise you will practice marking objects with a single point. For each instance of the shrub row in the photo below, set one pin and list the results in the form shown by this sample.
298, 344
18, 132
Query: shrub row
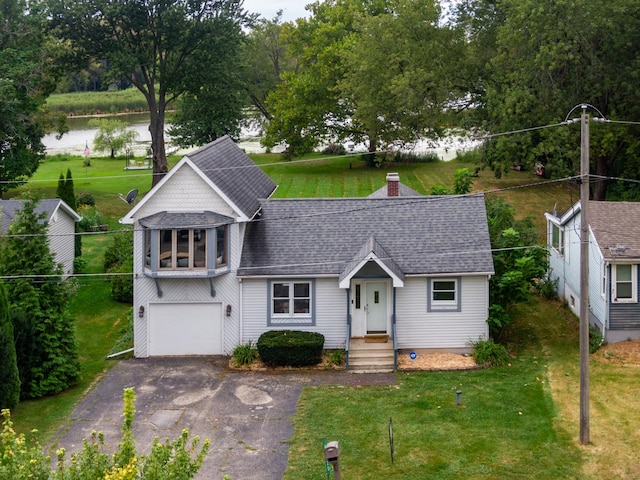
290, 348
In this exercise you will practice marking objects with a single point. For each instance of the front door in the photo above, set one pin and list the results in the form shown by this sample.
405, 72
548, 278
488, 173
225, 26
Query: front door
376, 306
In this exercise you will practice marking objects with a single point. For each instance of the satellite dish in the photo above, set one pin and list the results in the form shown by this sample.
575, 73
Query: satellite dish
130, 198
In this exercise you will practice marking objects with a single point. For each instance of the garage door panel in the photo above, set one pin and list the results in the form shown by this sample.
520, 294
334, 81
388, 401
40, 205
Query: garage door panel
185, 329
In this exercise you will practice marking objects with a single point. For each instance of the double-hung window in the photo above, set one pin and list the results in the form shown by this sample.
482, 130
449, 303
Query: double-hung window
624, 283
443, 294
291, 302
557, 238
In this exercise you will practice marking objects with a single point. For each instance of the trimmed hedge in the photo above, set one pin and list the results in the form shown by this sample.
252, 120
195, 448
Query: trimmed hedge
293, 348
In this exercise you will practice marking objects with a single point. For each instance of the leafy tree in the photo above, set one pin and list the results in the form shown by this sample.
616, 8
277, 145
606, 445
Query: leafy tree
373, 72
518, 261
156, 44
462, 181
67, 193
28, 77
265, 53
214, 101
9, 376
549, 57
38, 300
112, 136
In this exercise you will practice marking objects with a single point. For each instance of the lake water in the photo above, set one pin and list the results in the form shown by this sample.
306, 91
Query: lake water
81, 134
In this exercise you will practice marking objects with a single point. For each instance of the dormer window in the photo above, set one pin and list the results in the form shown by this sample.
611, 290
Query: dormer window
191, 244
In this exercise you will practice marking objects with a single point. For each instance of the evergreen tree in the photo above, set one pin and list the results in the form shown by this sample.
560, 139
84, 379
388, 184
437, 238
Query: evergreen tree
39, 298
67, 193
9, 378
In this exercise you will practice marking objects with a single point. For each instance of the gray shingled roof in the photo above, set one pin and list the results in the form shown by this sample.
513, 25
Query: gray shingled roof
422, 235
231, 170
9, 209
185, 220
403, 191
616, 224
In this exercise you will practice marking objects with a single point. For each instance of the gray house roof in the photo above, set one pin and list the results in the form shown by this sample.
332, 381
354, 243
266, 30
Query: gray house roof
616, 228
231, 170
403, 191
420, 235
9, 209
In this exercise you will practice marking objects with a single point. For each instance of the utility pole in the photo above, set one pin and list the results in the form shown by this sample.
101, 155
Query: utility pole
584, 277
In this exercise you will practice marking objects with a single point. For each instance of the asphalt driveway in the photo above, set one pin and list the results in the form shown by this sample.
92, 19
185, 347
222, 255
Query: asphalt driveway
245, 414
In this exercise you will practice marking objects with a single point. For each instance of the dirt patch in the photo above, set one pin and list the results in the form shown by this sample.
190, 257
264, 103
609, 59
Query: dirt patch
436, 361
621, 353
423, 361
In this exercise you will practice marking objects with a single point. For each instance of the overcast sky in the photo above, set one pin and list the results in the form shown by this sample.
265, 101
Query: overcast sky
291, 9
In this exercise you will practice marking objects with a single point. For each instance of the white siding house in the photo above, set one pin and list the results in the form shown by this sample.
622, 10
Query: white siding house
60, 219
614, 255
217, 262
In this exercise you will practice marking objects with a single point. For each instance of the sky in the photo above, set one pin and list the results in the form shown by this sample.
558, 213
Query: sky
291, 9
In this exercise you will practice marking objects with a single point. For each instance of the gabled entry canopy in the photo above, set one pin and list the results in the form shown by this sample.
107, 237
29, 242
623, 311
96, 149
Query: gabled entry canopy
372, 251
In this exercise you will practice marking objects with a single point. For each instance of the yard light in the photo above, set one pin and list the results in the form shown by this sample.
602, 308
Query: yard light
459, 398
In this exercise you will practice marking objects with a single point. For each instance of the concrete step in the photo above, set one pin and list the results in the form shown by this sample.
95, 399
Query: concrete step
371, 358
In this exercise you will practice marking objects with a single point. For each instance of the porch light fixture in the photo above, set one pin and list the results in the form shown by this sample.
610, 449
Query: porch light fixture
228, 310
141, 312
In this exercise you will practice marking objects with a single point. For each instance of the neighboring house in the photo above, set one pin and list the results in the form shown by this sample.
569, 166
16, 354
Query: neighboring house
614, 255
217, 262
60, 219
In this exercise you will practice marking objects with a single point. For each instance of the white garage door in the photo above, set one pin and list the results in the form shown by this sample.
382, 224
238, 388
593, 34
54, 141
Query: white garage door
185, 329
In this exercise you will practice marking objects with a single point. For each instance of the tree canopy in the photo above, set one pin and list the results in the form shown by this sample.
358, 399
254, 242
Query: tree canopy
377, 72
158, 45
28, 60
544, 59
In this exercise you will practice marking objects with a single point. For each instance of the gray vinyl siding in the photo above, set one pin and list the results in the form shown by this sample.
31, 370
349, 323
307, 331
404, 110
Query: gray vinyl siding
61, 229
597, 303
566, 268
330, 307
625, 316
418, 329
186, 191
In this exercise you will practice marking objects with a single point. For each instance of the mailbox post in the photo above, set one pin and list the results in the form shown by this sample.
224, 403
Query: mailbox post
331, 454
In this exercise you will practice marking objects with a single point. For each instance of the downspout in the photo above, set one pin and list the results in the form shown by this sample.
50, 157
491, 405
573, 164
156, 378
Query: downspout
607, 297
240, 313
348, 339
393, 328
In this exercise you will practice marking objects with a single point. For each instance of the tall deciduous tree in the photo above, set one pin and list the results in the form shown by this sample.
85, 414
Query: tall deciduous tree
112, 136
549, 57
27, 77
9, 377
38, 300
154, 43
376, 72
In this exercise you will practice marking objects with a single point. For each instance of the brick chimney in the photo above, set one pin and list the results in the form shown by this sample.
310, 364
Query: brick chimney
393, 182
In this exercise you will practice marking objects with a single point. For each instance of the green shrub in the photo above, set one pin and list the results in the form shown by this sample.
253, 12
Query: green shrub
86, 198
91, 217
334, 149
122, 282
290, 347
413, 157
498, 319
439, 190
336, 357
244, 354
120, 250
596, 339
490, 354
547, 289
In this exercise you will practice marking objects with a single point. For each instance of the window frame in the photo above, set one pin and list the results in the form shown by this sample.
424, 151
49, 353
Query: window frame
291, 318
435, 305
633, 282
199, 263
557, 239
